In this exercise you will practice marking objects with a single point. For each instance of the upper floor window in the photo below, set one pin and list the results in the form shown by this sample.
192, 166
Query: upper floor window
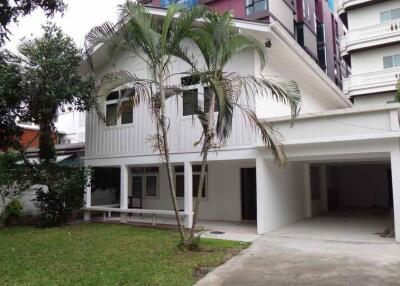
196, 97
391, 61
254, 6
115, 98
390, 15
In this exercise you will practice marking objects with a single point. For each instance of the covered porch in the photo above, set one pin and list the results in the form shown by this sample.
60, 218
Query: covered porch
139, 193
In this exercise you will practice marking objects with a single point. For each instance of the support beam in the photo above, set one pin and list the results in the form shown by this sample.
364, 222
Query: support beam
188, 199
324, 187
88, 201
395, 164
307, 190
124, 192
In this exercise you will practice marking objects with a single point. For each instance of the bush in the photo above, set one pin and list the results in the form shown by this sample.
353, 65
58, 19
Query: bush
12, 212
60, 192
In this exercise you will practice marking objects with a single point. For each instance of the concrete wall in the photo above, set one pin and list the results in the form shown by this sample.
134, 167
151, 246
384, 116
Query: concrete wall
374, 99
369, 15
360, 186
72, 124
371, 60
280, 195
283, 13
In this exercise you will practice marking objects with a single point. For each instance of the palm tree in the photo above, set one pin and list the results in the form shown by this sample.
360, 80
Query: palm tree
156, 41
218, 41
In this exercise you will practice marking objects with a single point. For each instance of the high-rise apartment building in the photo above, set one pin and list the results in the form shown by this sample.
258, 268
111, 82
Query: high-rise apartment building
312, 23
372, 48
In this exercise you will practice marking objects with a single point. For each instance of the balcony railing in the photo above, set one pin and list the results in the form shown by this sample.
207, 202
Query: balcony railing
187, 3
371, 82
382, 33
342, 5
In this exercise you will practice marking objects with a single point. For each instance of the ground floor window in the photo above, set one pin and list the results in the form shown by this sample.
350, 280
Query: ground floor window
145, 182
180, 181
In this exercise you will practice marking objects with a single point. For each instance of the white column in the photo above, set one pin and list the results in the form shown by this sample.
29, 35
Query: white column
88, 201
124, 192
395, 164
261, 173
188, 198
307, 190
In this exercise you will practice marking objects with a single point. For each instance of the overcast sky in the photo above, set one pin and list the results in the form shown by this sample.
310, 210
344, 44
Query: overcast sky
79, 18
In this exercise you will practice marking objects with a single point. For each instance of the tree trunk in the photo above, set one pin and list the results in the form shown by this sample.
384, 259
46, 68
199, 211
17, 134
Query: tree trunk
209, 136
162, 122
47, 151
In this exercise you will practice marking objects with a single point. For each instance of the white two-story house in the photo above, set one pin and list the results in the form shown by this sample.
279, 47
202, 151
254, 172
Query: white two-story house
329, 141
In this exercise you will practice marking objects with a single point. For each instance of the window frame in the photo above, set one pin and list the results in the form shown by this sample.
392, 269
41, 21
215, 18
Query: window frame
393, 62
389, 15
250, 4
194, 173
118, 102
143, 175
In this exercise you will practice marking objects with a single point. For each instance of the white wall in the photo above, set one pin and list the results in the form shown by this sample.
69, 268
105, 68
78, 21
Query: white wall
374, 99
72, 124
280, 195
282, 12
371, 60
369, 15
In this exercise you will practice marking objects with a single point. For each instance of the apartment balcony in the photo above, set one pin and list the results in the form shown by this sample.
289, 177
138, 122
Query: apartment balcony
371, 36
372, 82
344, 5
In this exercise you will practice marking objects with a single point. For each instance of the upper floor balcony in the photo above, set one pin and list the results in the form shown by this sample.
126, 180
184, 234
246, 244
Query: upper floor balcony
372, 82
344, 5
371, 36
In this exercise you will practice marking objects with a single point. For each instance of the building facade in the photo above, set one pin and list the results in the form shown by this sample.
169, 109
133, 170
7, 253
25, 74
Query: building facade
313, 23
372, 48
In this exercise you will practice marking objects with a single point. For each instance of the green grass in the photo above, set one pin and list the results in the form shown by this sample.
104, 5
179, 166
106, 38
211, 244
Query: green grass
103, 254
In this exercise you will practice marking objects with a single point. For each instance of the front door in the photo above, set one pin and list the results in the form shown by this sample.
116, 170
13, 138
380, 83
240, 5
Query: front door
249, 193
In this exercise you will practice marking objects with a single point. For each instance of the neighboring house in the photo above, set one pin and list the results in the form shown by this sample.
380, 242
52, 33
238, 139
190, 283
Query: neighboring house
372, 47
71, 124
312, 23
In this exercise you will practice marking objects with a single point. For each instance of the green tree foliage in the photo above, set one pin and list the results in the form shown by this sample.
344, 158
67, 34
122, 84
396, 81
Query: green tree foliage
12, 211
11, 98
59, 192
52, 81
11, 10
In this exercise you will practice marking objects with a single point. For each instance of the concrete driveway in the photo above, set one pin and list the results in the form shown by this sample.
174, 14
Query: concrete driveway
281, 260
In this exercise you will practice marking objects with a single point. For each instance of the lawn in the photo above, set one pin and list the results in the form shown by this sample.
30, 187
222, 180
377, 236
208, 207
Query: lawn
103, 254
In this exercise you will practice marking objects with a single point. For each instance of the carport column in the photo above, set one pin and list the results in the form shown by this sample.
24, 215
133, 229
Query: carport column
307, 190
323, 187
261, 174
124, 192
188, 196
395, 164
88, 200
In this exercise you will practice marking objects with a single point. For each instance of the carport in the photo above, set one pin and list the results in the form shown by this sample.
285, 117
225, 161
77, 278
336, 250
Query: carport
338, 184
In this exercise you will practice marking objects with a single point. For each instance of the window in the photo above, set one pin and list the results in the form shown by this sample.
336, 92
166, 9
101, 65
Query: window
180, 181
145, 180
126, 109
254, 6
390, 15
391, 61
190, 102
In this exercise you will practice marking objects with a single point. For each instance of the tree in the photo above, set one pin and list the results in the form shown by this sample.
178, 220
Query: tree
11, 98
218, 41
52, 81
156, 41
10, 10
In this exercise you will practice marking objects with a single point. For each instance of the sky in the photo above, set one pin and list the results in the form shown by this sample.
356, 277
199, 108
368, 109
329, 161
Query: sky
80, 17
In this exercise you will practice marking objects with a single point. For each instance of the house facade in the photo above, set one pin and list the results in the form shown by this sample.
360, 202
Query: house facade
330, 142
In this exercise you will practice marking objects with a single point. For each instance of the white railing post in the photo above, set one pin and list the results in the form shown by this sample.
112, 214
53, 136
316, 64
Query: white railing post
188, 199
395, 166
88, 200
124, 192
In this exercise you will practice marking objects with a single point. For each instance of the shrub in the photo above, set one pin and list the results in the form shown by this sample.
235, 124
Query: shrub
60, 192
12, 211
